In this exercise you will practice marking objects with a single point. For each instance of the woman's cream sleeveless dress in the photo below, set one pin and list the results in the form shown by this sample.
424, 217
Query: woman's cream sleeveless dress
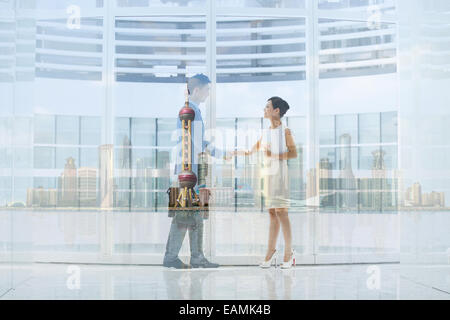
275, 171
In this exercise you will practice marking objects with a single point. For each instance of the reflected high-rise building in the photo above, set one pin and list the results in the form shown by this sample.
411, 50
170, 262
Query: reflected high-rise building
68, 185
433, 199
312, 188
378, 192
416, 194
438, 199
345, 157
148, 189
347, 197
124, 175
325, 175
106, 176
325, 183
415, 198
40, 197
87, 187
139, 181
378, 167
378, 183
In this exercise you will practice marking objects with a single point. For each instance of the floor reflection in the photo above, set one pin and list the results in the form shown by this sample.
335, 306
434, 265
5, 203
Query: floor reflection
336, 282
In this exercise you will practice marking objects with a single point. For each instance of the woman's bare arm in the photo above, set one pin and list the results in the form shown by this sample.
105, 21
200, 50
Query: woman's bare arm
254, 149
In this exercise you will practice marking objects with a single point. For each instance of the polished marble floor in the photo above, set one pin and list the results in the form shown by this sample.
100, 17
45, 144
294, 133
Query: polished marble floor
383, 281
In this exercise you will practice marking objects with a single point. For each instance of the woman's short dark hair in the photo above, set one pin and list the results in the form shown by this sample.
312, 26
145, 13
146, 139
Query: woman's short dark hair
278, 103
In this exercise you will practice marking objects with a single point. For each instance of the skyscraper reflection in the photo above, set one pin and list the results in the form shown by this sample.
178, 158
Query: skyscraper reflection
106, 176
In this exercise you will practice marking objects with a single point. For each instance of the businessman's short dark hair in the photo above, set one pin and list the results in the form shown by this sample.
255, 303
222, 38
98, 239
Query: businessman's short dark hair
197, 81
278, 103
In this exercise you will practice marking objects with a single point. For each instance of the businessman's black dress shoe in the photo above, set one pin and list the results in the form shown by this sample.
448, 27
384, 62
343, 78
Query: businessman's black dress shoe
203, 263
177, 264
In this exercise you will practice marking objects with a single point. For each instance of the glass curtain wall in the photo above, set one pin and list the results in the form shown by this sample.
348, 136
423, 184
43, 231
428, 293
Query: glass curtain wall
257, 57
68, 129
153, 56
424, 136
17, 49
357, 171
93, 92
7, 31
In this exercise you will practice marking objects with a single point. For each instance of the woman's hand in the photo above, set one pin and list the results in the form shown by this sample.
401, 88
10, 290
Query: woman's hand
268, 153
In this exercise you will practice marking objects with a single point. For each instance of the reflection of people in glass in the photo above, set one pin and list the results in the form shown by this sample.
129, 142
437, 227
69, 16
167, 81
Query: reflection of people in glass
278, 146
198, 87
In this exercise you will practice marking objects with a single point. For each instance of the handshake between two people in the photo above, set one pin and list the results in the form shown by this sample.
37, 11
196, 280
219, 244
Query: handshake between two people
245, 153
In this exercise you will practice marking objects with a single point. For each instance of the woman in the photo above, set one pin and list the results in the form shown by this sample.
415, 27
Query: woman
278, 146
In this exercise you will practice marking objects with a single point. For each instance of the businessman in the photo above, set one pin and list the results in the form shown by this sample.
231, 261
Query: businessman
198, 90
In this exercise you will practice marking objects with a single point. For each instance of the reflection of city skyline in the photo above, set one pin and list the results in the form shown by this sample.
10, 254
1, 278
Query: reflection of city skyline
77, 187
138, 182
375, 193
347, 191
414, 197
149, 144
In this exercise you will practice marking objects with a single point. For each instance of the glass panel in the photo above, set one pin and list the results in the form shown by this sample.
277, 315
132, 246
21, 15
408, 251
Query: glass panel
21, 185
44, 158
223, 171
389, 127
5, 158
39, 117
251, 50
327, 130
248, 180
77, 59
63, 4
67, 130
161, 3
357, 186
347, 129
90, 131
22, 132
122, 131
329, 155
89, 157
159, 50
297, 172
166, 129
5, 131
390, 157
367, 157
369, 128
143, 132
356, 48
374, 9
44, 129
23, 158
155, 54
258, 58
262, 3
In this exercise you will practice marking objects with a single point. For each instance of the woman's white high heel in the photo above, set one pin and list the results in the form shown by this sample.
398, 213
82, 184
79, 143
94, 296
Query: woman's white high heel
290, 263
268, 264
